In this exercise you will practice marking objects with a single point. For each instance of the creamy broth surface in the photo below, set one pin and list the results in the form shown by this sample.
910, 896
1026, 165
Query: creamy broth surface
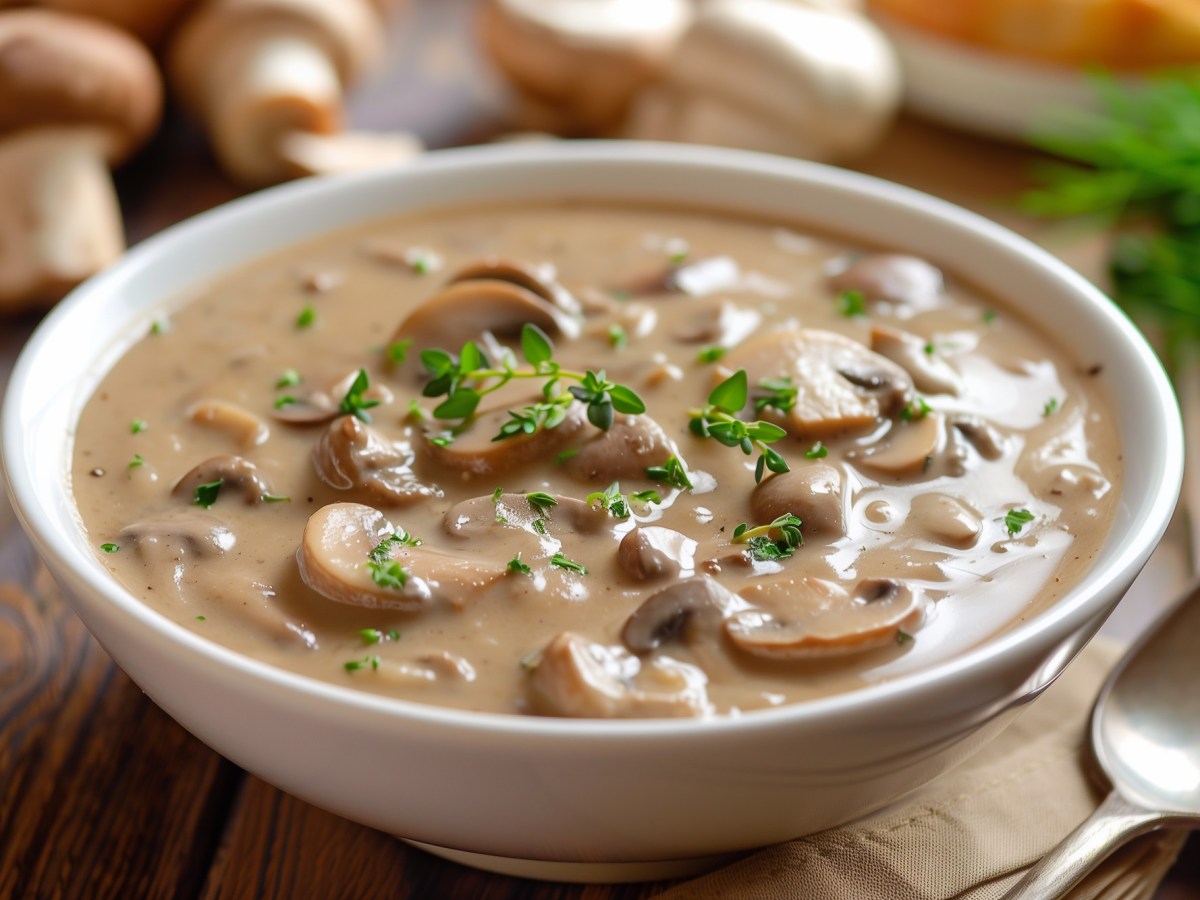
954, 471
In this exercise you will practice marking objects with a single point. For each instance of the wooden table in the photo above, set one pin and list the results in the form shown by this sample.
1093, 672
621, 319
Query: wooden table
102, 795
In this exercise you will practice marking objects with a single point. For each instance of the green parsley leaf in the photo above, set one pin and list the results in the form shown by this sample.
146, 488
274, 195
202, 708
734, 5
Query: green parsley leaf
915, 409
515, 565
370, 636
136, 461
388, 575
852, 304
561, 562
1016, 519
307, 317
206, 494
817, 451
617, 336
610, 499
903, 637
287, 378
137, 426
110, 547
285, 400
1050, 407
776, 540
710, 354
367, 661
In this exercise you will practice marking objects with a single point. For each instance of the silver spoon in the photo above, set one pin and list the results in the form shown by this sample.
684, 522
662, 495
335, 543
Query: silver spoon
1146, 737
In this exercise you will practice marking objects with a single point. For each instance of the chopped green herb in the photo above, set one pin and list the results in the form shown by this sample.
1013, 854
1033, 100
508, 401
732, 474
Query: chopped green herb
415, 411
393, 634
110, 548
561, 562
515, 565
388, 575
777, 540
355, 664
442, 440
370, 636
929, 348
307, 317
206, 494
1016, 519
678, 251
619, 294
287, 378
990, 316
285, 400
915, 409
780, 395
496, 495
422, 260
276, 498
710, 354
610, 499
647, 496
565, 455
1050, 407
539, 526
200, 618
903, 637
159, 326
137, 426
382, 552
397, 351
817, 451
355, 403
671, 472
852, 304
541, 502
137, 461
617, 336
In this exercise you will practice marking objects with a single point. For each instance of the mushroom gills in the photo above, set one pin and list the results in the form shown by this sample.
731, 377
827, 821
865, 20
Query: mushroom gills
686, 609
225, 472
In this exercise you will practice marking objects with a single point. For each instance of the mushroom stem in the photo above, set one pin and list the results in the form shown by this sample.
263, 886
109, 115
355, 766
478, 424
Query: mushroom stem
43, 252
266, 85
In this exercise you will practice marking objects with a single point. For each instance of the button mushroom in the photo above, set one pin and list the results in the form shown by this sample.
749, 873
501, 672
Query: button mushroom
352, 456
685, 608
931, 374
178, 533
463, 310
346, 545
477, 519
257, 73
908, 282
781, 76
576, 64
148, 20
909, 449
841, 385
812, 492
229, 472
651, 553
809, 618
583, 679
76, 97
944, 519
623, 451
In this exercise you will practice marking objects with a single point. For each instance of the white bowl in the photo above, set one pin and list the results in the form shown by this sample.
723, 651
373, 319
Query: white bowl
584, 799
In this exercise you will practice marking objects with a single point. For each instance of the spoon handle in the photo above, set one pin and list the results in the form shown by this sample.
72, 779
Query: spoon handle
1114, 822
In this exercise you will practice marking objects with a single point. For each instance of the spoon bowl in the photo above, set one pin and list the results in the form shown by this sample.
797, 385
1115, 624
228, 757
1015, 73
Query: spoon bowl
1146, 738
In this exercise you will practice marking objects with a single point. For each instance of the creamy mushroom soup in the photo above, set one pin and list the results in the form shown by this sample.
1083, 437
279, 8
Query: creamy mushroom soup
578, 460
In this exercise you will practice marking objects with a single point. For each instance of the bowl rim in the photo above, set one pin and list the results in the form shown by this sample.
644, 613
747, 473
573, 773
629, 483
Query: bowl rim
1069, 613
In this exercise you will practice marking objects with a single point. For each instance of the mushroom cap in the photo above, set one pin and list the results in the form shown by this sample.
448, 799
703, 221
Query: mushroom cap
775, 75
352, 456
149, 20
632, 443
587, 57
813, 492
234, 473
57, 69
908, 282
690, 604
349, 31
841, 384
805, 618
652, 553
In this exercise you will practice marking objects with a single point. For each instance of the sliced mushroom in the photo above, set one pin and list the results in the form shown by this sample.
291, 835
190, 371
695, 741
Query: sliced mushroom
233, 472
931, 374
351, 456
910, 448
724, 324
694, 278
582, 679
450, 665
315, 407
463, 310
690, 606
945, 519
623, 451
477, 519
247, 429
179, 533
841, 385
476, 449
522, 275
651, 552
807, 618
336, 548
907, 281
987, 441
812, 492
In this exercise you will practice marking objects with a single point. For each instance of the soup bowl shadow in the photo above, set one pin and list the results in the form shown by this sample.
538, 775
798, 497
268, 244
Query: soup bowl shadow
585, 800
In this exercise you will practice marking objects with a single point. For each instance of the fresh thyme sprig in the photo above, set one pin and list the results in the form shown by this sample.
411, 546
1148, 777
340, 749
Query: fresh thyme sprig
718, 420
1138, 172
617, 503
466, 379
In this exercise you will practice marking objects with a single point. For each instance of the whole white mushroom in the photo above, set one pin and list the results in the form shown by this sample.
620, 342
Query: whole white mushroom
808, 78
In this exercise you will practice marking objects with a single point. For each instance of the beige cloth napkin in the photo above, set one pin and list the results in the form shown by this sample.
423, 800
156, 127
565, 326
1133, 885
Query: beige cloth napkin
972, 833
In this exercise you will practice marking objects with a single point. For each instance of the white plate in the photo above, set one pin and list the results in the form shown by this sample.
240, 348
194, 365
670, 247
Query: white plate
986, 93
